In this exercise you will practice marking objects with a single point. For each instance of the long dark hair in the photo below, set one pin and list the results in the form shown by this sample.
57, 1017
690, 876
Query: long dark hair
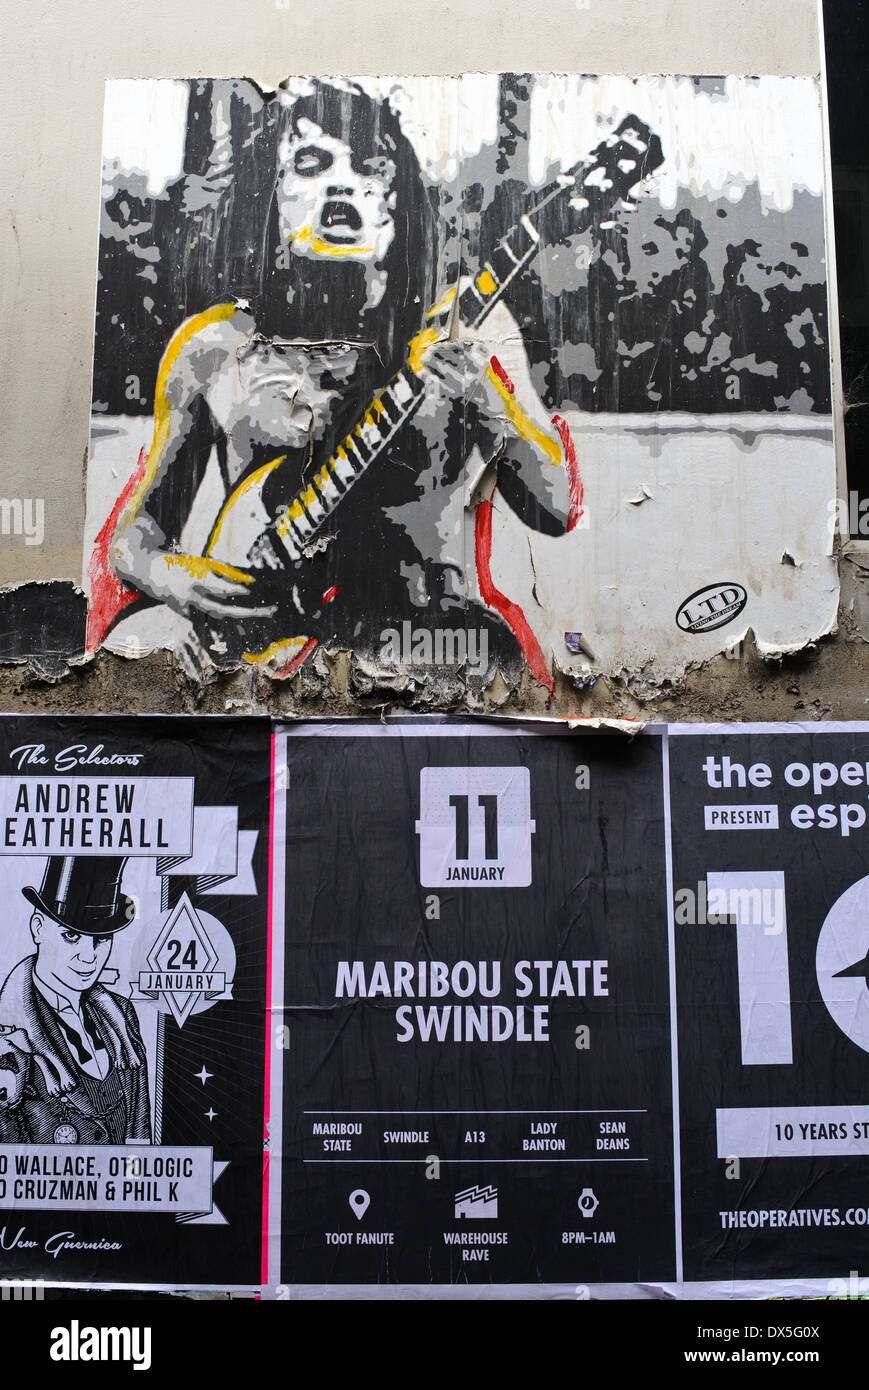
314, 300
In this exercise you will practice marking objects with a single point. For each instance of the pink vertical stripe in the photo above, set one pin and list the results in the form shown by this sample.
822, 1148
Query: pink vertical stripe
264, 1272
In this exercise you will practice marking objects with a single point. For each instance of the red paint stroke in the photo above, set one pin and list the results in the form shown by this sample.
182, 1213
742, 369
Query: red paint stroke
509, 611
574, 477
109, 596
332, 593
292, 666
568, 450
502, 376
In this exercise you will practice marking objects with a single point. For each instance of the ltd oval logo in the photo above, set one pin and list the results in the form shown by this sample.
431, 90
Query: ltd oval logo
711, 607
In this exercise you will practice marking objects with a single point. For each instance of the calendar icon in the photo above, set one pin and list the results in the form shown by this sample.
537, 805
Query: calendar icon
475, 827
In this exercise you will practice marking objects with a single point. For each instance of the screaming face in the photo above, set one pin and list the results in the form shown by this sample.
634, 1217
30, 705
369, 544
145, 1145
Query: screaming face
332, 203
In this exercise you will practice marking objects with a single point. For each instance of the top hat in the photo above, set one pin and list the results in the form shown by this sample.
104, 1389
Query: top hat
84, 894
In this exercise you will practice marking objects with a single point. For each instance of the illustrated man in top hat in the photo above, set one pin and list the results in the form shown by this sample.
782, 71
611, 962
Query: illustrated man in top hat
87, 1079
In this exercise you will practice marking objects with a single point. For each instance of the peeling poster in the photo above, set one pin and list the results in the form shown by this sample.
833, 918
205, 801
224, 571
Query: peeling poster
526, 372
571, 1012
771, 910
477, 1086
134, 856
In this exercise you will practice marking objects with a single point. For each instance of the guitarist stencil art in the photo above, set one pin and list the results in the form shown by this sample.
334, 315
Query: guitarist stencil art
347, 405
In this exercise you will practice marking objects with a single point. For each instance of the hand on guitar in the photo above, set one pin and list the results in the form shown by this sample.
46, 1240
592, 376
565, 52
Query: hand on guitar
455, 369
466, 368
192, 584
509, 423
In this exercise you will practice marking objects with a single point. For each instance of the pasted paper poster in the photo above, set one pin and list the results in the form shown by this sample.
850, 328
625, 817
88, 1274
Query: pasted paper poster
134, 861
772, 955
456, 373
474, 984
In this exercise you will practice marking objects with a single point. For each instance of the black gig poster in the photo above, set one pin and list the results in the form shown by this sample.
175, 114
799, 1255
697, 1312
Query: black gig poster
475, 1021
770, 827
134, 855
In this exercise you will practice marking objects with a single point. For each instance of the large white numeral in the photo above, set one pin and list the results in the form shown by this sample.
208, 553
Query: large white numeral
757, 902
475, 826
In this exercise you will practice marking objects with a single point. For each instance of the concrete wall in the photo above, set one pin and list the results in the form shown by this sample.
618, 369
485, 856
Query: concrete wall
60, 56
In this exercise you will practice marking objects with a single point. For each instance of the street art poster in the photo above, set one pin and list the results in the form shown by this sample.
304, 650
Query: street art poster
772, 965
577, 1013
134, 856
526, 372
474, 983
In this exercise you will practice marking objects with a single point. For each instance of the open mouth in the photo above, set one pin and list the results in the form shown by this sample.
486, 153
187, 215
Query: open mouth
340, 223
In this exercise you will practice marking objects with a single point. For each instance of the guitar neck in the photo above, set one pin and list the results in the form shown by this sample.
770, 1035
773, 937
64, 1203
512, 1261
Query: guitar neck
299, 521
592, 187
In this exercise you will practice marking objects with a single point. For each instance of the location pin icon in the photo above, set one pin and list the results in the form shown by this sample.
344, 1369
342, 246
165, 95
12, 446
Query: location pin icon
359, 1202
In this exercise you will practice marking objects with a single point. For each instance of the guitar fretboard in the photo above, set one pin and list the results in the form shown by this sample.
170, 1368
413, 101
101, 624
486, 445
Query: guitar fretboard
298, 522
592, 186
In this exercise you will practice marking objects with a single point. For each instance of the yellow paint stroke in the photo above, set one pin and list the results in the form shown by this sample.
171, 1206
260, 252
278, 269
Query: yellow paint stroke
523, 424
306, 237
285, 523
486, 282
321, 478
442, 304
252, 480
274, 649
200, 566
419, 346
220, 313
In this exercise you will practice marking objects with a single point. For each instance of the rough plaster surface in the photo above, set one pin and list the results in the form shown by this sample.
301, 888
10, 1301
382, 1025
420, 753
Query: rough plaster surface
826, 680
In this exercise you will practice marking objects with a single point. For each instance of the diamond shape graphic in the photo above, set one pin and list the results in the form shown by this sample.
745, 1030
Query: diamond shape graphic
183, 946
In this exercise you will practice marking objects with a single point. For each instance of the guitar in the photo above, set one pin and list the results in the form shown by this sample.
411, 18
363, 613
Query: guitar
284, 548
